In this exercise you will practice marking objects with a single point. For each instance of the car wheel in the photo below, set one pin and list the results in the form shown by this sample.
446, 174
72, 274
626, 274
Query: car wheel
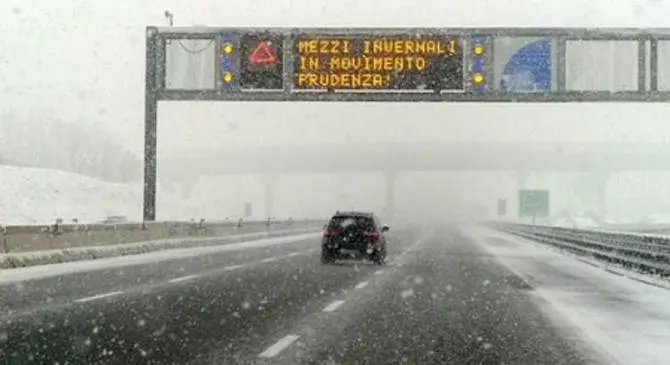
379, 258
326, 257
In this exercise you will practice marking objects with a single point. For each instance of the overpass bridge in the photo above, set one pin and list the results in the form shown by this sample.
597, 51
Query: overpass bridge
430, 156
391, 159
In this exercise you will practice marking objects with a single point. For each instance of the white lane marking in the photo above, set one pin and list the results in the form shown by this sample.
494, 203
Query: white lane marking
379, 272
232, 267
362, 285
269, 259
398, 259
280, 345
293, 254
410, 248
183, 278
99, 296
332, 307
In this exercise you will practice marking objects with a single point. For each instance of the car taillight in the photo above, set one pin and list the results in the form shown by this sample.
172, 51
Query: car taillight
375, 234
329, 232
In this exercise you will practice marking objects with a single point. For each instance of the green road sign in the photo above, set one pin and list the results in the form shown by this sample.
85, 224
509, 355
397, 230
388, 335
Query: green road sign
534, 203
502, 207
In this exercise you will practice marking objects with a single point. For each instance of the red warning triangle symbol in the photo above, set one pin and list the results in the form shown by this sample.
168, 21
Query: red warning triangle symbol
263, 54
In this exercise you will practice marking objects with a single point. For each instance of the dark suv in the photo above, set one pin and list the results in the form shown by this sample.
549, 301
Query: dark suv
354, 235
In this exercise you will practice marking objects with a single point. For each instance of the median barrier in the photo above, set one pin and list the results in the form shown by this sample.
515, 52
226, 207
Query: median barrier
27, 238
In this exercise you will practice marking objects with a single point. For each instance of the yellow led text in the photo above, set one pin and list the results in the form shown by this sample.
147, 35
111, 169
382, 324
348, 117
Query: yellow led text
363, 63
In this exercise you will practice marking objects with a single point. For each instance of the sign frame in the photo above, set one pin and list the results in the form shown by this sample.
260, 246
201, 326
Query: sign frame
156, 56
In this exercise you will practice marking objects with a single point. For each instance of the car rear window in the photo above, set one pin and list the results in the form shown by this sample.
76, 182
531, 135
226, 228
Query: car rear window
344, 222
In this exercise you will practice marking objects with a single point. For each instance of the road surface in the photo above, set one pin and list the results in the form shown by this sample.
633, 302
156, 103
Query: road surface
440, 300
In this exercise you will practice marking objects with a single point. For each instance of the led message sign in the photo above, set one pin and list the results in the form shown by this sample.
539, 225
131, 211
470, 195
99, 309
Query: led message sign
433, 63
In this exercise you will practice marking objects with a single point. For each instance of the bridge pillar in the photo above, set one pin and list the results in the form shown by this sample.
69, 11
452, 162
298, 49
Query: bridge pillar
343, 197
601, 179
390, 180
521, 179
269, 180
591, 189
186, 188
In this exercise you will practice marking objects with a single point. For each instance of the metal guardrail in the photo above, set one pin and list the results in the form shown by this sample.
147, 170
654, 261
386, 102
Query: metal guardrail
16, 239
646, 253
642, 228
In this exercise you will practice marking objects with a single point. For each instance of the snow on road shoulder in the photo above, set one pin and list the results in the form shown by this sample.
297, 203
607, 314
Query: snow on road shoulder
96, 252
625, 321
50, 270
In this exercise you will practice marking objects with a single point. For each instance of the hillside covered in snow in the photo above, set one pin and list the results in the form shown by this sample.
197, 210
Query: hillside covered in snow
34, 196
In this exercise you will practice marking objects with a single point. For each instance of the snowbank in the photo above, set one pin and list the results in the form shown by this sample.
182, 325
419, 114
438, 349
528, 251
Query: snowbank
33, 196
9, 261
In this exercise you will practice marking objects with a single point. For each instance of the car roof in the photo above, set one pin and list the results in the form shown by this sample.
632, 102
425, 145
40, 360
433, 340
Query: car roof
353, 214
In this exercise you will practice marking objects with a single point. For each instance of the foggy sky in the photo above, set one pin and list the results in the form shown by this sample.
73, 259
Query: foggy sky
83, 60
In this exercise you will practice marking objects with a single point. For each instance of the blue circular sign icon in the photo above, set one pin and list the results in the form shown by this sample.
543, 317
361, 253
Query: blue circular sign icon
529, 69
